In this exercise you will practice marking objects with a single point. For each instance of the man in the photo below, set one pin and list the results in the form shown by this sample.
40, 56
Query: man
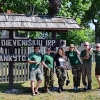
86, 58
34, 59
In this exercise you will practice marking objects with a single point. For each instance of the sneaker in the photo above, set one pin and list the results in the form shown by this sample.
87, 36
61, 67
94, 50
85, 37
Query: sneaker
62, 88
75, 88
59, 90
36, 92
89, 88
33, 94
98, 88
85, 87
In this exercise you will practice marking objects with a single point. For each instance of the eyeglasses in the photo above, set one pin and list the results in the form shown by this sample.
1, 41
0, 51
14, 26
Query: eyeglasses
71, 47
85, 45
97, 47
48, 50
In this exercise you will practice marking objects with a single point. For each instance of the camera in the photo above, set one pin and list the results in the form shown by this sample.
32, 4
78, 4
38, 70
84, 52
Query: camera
67, 82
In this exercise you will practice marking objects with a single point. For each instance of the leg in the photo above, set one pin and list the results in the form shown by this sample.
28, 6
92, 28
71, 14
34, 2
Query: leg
32, 87
37, 85
74, 72
51, 78
58, 73
47, 78
98, 79
32, 78
78, 75
97, 74
84, 74
39, 79
62, 78
88, 71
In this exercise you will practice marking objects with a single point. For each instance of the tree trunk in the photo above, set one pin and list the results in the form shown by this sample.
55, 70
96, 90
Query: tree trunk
97, 33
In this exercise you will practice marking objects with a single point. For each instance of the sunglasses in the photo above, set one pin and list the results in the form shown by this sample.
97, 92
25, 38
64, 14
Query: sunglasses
97, 47
85, 45
48, 50
72, 47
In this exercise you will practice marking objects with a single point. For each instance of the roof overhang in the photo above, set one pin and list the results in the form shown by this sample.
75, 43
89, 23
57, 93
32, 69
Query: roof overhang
36, 22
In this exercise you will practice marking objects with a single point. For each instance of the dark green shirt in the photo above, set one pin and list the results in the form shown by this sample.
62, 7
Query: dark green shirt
35, 57
72, 55
48, 60
83, 54
97, 56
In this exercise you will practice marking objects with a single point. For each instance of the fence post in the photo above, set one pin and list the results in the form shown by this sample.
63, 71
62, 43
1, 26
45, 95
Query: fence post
11, 51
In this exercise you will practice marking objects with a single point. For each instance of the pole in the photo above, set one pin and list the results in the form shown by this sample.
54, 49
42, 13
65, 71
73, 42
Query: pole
54, 37
11, 51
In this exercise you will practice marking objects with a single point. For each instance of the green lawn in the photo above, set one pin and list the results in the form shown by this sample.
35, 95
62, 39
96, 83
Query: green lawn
68, 94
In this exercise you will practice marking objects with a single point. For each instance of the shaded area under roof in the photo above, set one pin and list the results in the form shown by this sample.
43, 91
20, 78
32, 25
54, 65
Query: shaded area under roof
36, 22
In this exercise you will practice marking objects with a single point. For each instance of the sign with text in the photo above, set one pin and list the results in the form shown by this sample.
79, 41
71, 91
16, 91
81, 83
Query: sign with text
29, 42
12, 58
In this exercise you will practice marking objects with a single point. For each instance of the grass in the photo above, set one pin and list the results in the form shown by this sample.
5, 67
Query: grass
68, 94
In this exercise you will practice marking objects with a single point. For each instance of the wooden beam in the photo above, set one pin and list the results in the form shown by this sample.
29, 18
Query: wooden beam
11, 51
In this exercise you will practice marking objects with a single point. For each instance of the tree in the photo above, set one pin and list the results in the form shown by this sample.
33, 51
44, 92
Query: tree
92, 15
69, 8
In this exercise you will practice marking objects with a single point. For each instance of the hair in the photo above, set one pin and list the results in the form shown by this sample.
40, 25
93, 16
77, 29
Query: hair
60, 48
98, 44
71, 45
36, 46
86, 43
48, 48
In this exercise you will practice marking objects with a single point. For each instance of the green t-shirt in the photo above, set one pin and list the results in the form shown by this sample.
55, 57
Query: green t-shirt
83, 54
72, 55
35, 57
48, 60
97, 56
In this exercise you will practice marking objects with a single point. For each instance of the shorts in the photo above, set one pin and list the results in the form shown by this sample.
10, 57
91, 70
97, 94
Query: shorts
35, 73
97, 70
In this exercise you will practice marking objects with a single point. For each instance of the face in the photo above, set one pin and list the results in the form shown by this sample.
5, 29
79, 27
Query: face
37, 49
97, 47
86, 45
48, 50
60, 52
72, 48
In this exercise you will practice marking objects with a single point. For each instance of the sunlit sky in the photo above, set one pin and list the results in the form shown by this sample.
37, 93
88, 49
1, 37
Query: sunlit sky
92, 26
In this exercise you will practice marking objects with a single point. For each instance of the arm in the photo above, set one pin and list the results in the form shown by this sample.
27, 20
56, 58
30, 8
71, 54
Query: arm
43, 63
31, 62
78, 53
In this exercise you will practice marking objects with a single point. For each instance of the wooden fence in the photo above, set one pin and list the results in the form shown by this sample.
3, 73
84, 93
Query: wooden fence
21, 69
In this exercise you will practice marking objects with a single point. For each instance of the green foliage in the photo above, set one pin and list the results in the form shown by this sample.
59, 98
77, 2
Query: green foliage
77, 37
77, 9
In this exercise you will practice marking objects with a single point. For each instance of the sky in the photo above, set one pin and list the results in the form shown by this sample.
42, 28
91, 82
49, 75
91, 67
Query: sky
92, 26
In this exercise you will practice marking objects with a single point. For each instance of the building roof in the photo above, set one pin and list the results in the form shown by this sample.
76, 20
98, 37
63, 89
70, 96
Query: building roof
36, 22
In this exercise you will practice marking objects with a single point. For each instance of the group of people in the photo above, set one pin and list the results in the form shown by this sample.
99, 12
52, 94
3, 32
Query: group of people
59, 60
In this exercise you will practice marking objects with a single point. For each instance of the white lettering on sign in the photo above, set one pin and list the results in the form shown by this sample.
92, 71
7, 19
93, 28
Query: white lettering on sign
23, 42
50, 42
8, 58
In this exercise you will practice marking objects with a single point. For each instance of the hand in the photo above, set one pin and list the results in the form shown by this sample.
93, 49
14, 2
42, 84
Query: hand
75, 48
67, 48
36, 62
86, 57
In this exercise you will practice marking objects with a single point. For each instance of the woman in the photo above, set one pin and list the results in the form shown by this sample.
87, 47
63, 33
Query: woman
48, 69
97, 60
72, 54
61, 68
